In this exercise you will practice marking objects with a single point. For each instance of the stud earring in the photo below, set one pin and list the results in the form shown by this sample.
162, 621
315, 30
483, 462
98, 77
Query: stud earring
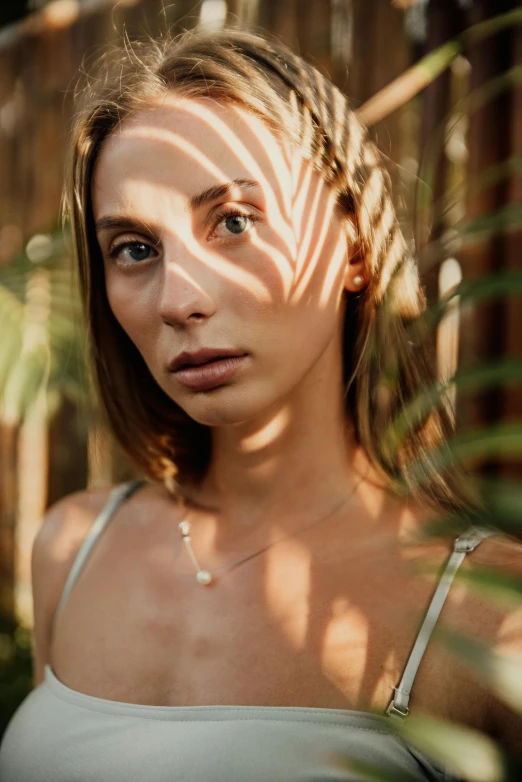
358, 280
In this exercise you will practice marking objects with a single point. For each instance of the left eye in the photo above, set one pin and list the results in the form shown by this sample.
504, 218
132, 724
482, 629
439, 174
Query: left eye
138, 251
129, 253
234, 223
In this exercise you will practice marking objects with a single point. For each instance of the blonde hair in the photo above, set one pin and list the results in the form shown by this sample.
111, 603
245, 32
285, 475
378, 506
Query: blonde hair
292, 97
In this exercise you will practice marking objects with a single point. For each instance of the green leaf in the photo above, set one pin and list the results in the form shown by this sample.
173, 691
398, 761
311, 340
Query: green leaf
503, 588
499, 221
424, 72
62, 331
477, 378
499, 507
492, 583
490, 90
481, 289
471, 103
482, 30
465, 752
11, 321
24, 383
501, 673
492, 175
370, 773
409, 83
501, 441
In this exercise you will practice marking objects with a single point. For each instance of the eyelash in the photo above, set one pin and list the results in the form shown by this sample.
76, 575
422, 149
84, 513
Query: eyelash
218, 218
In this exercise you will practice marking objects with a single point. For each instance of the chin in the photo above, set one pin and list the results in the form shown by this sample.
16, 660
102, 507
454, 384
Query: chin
225, 406
217, 415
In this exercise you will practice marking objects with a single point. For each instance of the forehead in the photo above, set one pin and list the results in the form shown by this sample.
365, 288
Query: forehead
180, 146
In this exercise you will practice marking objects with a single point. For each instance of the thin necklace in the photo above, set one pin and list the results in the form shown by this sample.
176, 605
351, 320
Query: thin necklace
206, 577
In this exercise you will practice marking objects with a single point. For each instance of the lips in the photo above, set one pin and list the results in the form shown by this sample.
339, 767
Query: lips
200, 357
206, 369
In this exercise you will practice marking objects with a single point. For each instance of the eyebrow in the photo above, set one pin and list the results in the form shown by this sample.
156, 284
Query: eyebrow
218, 191
109, 222
205, 197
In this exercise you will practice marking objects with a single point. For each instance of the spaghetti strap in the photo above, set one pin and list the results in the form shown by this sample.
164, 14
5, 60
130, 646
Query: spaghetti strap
463, 545
118, 495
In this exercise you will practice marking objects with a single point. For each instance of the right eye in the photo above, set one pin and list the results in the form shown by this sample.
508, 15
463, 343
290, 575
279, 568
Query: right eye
130, 253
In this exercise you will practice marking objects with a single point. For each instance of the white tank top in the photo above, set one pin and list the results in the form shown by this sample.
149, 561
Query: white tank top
60, 735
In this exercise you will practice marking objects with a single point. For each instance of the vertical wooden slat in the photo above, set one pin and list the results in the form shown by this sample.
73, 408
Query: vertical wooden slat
381, 52
443, 24
484, 327
512, 403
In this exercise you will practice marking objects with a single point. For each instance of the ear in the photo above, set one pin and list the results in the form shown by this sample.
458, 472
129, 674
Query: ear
356, 276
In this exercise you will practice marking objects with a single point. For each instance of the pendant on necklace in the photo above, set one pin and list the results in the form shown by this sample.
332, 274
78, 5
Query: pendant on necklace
184, 528
202, 576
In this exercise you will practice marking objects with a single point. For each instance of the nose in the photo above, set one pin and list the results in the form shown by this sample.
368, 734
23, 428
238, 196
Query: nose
185, 296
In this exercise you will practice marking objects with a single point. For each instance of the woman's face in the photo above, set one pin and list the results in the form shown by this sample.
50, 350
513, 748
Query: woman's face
224, 257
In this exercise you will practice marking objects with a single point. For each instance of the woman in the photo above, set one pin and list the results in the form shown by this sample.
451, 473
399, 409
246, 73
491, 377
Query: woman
247, 289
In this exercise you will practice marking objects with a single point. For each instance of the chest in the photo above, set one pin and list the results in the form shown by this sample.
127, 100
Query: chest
287, 630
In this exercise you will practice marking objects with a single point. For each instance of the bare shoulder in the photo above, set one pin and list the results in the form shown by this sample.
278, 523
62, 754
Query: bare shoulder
63, 530
65, 524
485, 599
484, 604
489, 594
501, 558
55, 546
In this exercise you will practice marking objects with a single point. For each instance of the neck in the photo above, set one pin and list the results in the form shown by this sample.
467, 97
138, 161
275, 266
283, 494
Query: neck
296, 462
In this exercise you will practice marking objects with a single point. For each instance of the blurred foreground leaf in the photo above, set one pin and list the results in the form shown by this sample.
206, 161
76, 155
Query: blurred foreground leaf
466, 752
501, 673
11, 324
466, 381
369, 773
24, 383
505, 219
495, 442
502, 587
499, 508
462, 751
492, 175
493, 583
481, 289
424, 72
42, 346
467, 106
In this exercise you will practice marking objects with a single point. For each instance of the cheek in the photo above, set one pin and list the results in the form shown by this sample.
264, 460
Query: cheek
305, 312
321, 270
133, 307
306, 271
314, 313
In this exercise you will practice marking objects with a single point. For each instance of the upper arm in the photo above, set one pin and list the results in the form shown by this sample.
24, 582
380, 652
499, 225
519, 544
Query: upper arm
55, 547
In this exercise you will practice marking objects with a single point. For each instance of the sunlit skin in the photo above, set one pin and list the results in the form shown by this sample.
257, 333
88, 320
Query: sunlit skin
214, 233
263, 267
273, 290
